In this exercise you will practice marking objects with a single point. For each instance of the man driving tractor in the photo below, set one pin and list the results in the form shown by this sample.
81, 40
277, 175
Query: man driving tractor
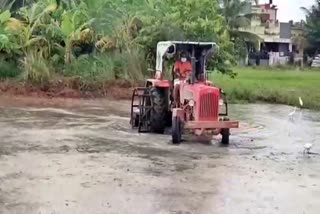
188, 98
182, 72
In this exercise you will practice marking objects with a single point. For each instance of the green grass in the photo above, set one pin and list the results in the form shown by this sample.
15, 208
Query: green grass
283, 86
8, 69
106, 67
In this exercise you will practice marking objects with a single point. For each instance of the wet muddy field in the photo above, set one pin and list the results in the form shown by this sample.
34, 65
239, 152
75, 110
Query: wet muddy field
84, 158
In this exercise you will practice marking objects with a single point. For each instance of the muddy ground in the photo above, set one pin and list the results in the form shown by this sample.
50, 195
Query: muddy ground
76, 156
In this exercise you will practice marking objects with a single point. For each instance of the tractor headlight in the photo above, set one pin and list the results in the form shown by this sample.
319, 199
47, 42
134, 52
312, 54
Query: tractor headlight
221, 102
191, 103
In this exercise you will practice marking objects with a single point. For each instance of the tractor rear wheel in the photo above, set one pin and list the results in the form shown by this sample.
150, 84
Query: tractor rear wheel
225, 136
159, 111
135, 121
176, 130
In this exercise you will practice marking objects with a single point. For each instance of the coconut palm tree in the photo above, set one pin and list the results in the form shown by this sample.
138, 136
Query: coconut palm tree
312, 26
236, 15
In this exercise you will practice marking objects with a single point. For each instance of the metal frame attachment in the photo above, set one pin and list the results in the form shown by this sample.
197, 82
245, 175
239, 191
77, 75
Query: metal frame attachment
141, 107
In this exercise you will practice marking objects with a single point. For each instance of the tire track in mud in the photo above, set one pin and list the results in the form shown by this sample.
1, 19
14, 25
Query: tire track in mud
97, 131
101, 133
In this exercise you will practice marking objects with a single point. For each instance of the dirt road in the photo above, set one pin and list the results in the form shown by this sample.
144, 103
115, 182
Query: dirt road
85, 159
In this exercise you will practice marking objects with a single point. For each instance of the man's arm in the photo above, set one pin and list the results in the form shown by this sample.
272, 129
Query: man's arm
189, 70
176, 70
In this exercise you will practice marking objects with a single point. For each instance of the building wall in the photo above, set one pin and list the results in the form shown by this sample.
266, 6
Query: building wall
255, 21
264, 28
272, 13
296, 31
285, 30
284, 48
273, 30
276, 36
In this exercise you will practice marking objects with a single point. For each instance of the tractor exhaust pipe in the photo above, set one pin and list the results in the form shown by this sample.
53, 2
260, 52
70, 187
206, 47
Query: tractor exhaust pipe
193, 75
193, 63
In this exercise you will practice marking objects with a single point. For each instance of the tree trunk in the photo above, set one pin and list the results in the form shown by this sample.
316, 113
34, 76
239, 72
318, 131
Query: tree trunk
302, 61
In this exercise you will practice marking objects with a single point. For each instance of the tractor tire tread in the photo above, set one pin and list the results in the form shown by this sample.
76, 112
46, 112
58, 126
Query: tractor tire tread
225, 136
159, 111
176, 131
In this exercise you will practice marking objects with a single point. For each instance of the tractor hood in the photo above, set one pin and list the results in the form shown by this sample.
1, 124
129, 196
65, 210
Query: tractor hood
206, 99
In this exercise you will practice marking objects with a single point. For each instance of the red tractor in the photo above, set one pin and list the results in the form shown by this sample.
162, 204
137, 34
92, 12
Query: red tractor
194, 104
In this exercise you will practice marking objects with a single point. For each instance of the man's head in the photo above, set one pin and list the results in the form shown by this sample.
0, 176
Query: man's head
183, 57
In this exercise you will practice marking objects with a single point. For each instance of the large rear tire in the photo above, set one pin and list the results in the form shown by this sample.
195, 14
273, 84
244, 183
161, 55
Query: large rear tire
159, 111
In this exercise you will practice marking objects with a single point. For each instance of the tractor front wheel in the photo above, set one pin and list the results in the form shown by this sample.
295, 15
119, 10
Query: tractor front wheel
225, 136
176, 130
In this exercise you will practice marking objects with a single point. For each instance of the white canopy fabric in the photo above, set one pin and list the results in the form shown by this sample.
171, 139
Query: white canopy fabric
163, 47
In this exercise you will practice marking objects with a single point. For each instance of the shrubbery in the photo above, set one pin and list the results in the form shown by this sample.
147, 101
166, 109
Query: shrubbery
102, 40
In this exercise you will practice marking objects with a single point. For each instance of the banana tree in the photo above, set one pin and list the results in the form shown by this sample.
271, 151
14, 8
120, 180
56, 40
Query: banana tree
8, 45
27, 32
76, 29
4, 36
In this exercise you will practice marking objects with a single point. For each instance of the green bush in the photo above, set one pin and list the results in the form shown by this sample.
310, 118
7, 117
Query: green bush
106, 67
128, 30
36, 69
91, 68
131, 65
8, 69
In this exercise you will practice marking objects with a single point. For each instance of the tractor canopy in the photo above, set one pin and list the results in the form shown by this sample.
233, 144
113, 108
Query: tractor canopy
201, 51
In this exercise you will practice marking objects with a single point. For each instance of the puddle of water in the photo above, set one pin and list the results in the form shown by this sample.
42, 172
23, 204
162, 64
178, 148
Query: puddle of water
267, 148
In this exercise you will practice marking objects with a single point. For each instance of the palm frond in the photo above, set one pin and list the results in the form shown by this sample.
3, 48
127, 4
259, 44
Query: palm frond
306, 11
248, 37
6, 4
